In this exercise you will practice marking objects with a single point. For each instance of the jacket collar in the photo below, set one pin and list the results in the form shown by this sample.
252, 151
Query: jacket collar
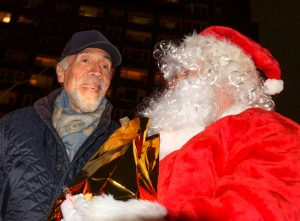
45, 106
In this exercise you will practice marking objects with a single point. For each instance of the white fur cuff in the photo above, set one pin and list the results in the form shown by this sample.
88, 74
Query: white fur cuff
106, 208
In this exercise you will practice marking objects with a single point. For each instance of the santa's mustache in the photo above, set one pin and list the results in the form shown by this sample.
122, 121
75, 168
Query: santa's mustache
190, 103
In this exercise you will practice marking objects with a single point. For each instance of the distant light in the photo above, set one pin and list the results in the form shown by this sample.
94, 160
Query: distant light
90, 11
133, 74
33, 82
6, 19
46, 61
42, 81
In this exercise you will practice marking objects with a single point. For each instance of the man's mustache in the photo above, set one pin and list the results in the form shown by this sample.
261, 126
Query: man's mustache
93, 80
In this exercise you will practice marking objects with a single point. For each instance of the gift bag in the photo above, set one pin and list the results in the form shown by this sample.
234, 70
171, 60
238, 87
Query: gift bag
125, 166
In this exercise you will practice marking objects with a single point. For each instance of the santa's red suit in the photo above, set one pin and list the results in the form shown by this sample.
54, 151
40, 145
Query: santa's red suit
241, 167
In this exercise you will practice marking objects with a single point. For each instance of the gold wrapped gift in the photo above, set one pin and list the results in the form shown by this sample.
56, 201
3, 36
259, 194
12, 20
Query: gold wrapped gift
125, 166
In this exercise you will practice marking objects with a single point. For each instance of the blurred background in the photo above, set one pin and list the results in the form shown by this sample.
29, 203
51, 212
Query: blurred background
279, 31
34, 32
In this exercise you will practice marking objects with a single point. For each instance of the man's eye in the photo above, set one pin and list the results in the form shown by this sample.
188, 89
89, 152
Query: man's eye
85, 60
105, 66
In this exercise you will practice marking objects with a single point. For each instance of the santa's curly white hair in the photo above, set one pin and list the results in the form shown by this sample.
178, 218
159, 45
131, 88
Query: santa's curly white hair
217, 62
208, 63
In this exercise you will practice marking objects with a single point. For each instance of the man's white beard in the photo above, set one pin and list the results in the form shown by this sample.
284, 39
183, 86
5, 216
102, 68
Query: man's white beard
190, 103
89, 104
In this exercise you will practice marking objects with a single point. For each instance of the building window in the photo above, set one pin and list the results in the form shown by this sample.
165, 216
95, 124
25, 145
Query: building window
171, 1
5, 17
57, 25
26, 20
90, 11
170, 22
138, 36
22, 38
33, 3
133, 74
130, 94
51, 42
3, 35
198, 10
82, 26
116, 15
167, 37
113, 32
11, 76
45, 61
120, 113
136, 55
8, 97
42, 81
194, 25
15, 56
61, 8
201, 9
218, 13
140, 18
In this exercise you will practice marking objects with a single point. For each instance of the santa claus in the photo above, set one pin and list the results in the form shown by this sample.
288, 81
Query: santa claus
225, 154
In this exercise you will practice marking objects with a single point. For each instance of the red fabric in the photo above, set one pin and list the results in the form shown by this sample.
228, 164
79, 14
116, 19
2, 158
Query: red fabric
262, 58
243, 167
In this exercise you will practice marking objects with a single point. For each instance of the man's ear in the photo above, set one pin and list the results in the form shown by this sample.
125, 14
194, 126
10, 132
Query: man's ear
60, 72
112, 72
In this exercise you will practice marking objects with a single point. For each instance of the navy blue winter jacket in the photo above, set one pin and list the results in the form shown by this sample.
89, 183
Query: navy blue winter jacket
34, 165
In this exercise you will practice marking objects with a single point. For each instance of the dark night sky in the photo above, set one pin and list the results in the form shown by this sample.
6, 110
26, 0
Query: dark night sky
279, 31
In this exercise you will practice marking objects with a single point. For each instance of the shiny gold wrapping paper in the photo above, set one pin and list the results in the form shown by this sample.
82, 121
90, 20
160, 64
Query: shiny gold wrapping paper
125, 166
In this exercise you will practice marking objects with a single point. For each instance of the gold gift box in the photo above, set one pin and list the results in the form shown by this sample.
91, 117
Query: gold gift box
125, 166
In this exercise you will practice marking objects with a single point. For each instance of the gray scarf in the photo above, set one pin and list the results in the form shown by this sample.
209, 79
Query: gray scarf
74, 128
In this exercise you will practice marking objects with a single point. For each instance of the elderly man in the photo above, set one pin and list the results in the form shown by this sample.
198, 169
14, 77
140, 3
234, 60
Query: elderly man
43, 147
224, 154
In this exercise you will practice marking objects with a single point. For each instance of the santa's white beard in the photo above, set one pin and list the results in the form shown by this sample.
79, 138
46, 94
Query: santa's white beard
190, 103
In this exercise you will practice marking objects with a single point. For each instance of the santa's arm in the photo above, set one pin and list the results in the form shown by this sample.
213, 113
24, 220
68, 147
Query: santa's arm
237, 169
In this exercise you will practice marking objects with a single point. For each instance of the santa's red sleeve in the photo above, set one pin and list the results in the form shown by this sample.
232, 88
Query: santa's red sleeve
243, 167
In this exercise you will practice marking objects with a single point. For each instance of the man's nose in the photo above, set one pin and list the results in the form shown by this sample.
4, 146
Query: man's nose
96, 71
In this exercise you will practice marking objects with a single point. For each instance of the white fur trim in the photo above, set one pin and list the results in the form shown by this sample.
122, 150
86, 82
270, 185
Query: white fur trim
174, 140
106, 208
234, 110
273, 86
